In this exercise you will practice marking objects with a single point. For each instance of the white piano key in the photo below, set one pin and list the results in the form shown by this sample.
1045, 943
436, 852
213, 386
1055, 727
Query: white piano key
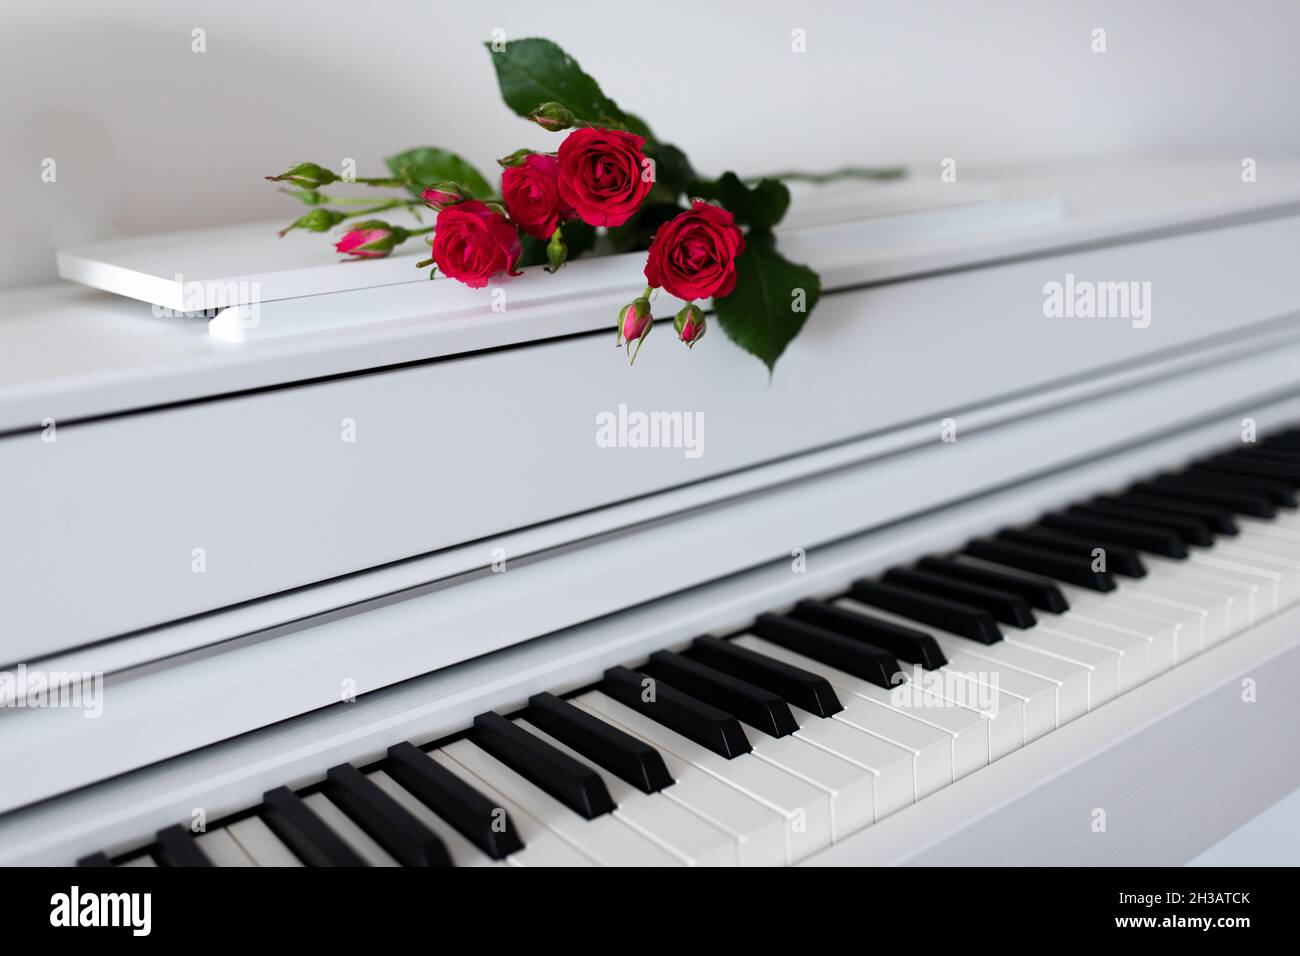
1069, 681
1160, 636
145, 860
222, 849
679, 831
461, 851
1134, 666
541, 846
348, 831
890, 769
1250, 528
605, 839
1002, 715
1211, 611
1102, 664
1015, 718
1243, 593
1272, 554
1189, 638
849, 783
935, 755
807, 809
758, 830
1187, 628
1225, 559
262, 846
1038, 696
1226, 606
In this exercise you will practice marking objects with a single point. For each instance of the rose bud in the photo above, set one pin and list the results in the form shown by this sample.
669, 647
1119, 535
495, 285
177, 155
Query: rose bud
306, 175
634, 324
600, 175
689, 324
318, 220
693, 255
372, 239
516, 158
553, 117
532, 195
474, 242
556, 251
440, 195
309, 197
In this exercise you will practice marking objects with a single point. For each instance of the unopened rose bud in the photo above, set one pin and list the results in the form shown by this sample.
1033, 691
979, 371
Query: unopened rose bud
553, 117
689, 324
309, 197
372, 239
306, 175
556, 251
634, 324
516, 158
318, 220
440, 195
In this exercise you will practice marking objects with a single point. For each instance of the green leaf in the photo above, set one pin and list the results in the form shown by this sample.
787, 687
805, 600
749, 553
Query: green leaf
579, 237
672, 168
427, 165
536, 71
762, 313
532, 251
637, 232
761, 206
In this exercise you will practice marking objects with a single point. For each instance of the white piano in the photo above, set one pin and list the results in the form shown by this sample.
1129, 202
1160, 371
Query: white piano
359, 585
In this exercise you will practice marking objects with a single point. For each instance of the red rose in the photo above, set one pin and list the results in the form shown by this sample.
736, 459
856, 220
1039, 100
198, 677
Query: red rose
473, 243
531, 192
693, 255
601, 175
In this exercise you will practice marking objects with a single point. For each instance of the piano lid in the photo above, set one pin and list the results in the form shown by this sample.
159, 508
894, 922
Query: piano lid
68, 352
216, 268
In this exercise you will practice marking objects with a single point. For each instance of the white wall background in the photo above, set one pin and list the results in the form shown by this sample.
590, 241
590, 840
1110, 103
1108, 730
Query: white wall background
150, 136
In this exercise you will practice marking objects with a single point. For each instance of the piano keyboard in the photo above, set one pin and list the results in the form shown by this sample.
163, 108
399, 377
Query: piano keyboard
767, 746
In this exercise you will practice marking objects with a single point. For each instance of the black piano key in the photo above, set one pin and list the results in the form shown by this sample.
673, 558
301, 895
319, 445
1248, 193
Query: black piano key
1003, 605
1275, 456
1120, 558
310, 838
748, 703
477, 818
964, 619
844, 653
1222, 520
96, 859
703, 723
405, 838
1275, 490
803, 689
1241, 502
1144, 537
605, 745
176, 847
1190, 529
1288, 440
1039, 592
1250, 465
1052, 564
570, 781
905, 643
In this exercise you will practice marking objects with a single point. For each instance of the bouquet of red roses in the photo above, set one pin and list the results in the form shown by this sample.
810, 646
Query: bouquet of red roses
707, 239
